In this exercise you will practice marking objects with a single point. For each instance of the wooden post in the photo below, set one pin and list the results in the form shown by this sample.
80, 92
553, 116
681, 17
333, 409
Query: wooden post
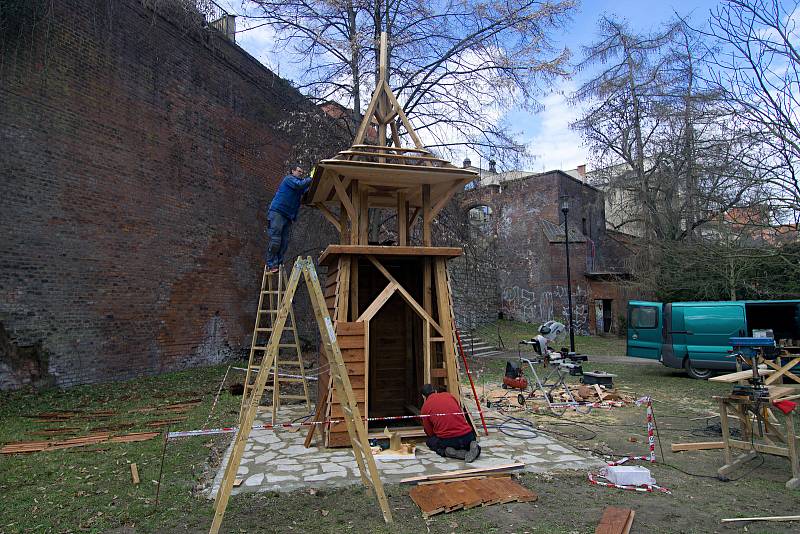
402, 219
355, 198
726, 435
426, 215
355, 311
426, 351
363, 218
344, 236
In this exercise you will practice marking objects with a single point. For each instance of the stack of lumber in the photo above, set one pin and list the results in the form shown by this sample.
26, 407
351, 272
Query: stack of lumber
615, 521
450, 496
81, 441
593, 393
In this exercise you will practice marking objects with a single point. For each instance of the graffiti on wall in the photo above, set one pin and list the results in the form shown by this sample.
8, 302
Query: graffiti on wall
537, 307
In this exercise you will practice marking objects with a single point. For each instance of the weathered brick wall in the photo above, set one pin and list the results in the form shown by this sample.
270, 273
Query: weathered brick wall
137, 155
529, 269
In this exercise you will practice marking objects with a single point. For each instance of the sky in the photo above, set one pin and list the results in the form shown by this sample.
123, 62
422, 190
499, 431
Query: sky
546, 133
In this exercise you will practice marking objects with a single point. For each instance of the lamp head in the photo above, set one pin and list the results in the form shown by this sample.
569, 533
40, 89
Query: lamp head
564, 203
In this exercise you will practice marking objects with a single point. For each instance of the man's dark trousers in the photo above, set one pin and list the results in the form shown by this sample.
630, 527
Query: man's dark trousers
438, 445
279, 229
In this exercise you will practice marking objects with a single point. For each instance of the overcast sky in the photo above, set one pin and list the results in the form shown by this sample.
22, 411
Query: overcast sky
547, 132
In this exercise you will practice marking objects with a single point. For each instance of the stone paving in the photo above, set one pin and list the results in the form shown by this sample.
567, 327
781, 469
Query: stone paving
277, 460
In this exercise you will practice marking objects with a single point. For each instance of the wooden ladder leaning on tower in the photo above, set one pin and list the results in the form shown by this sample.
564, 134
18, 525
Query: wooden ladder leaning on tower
273, 288
356, 427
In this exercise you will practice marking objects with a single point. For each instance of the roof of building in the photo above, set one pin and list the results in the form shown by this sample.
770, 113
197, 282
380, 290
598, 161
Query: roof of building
555, 233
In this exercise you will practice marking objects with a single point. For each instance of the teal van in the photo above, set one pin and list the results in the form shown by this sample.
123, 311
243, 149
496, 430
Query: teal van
694, 335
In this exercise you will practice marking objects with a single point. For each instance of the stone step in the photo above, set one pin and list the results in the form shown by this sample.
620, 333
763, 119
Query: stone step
477, 347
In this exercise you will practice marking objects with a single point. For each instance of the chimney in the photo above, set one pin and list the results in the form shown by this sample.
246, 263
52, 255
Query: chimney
467, 163
582, 171
492, 166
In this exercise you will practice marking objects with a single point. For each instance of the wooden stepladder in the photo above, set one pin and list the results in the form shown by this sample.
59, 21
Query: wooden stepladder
289, 355
352, 415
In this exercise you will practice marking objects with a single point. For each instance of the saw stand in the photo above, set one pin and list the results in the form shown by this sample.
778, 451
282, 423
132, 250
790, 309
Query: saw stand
556, 373
768, 440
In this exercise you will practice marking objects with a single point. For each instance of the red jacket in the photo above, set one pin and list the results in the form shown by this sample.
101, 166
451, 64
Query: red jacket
444, 426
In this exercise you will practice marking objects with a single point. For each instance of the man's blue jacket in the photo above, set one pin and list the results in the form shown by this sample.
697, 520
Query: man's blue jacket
287, 199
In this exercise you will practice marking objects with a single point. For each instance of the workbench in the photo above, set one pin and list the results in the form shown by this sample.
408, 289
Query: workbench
773, 441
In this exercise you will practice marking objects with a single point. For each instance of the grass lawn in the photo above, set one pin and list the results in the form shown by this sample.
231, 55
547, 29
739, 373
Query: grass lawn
89, 489
508, 334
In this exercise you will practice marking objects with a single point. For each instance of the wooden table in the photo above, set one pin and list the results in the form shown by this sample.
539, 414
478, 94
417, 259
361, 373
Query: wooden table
772, 442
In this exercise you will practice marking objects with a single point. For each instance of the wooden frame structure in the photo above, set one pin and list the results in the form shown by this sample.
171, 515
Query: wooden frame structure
391, 304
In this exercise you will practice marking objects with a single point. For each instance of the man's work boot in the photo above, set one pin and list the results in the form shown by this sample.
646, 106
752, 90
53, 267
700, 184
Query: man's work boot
473, 452
458, 454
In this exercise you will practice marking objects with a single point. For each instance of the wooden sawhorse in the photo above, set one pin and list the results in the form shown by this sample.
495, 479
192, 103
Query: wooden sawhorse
772, 442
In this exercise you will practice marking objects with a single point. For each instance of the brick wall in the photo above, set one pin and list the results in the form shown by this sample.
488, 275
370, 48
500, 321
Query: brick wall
529, 268
137, 154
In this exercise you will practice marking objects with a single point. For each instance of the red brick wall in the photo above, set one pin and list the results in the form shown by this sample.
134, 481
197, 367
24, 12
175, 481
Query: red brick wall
137, 155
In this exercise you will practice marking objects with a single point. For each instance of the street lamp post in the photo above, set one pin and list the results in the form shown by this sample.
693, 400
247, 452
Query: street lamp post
565, 211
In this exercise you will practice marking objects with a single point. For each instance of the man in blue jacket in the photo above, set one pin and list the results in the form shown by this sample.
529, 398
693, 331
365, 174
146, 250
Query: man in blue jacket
283, 212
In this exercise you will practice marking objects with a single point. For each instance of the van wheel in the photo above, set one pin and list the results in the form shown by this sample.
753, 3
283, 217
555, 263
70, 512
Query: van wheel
696, 372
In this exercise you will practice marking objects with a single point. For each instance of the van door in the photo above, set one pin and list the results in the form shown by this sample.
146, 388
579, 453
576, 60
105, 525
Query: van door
709, 328
644, 329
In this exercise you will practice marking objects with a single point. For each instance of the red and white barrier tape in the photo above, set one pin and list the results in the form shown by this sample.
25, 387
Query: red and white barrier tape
651, 440
228, 430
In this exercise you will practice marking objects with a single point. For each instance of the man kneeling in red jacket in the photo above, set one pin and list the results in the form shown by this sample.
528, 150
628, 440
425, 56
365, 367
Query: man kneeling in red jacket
449, 435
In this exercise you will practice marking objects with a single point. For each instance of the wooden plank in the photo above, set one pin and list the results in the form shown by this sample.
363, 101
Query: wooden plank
333, 251
354, 328
379, 301
764, 518
735, 377
353, 355
464, 473
337, 412
614, 521
134, 474
430, 499
697, 446
351, 342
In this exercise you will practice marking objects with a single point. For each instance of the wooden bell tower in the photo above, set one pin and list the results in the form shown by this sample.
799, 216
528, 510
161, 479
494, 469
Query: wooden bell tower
391, 305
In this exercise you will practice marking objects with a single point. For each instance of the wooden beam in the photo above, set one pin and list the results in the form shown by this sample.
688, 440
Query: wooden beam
354, 302
367, 119
395, 133
354, 218
445, 319
697, 446
765, 518
426, 352
344, 236
329, 215
406, 295
343, 289
378, 303
363, 218
445, 199
426, 215
402, 219
464, 473
341, 193
402, 115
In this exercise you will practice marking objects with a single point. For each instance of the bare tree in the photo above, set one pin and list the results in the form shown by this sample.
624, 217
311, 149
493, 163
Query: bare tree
457, 66
757, 64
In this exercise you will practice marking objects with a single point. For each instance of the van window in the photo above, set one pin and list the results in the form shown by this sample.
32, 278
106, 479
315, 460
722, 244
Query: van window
644, 317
